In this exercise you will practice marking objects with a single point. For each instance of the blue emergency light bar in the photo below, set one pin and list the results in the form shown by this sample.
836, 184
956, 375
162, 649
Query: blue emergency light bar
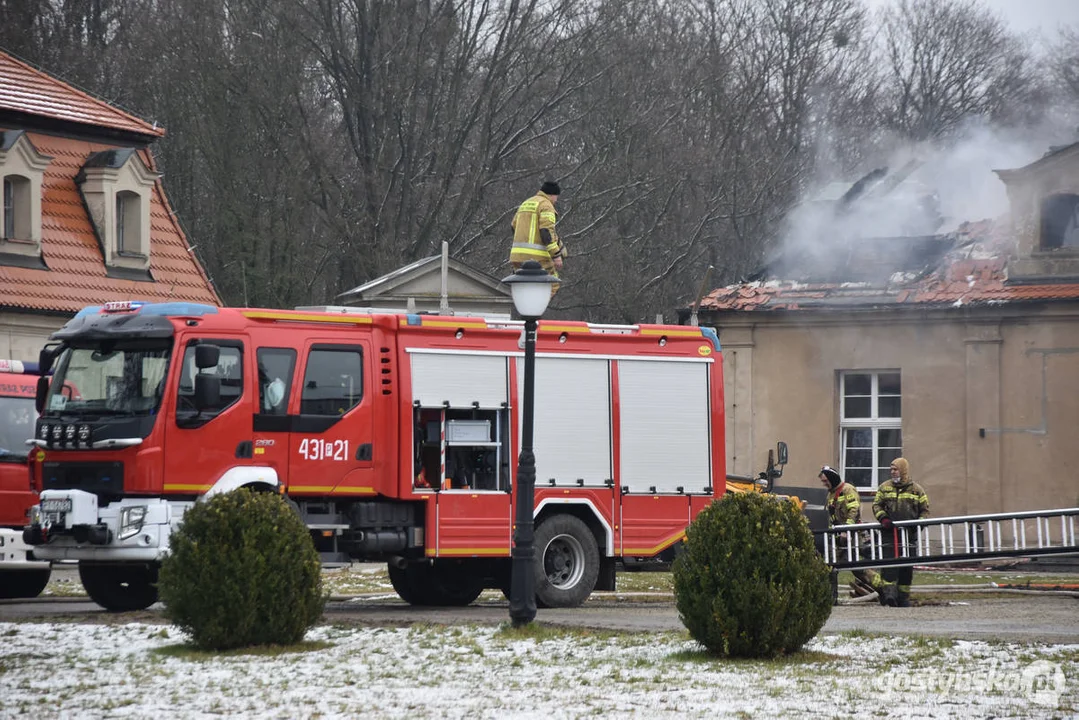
18, 367
142, 307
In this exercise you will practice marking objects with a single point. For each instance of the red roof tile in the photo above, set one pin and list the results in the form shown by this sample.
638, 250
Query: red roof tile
26, 90
974, 272
77, 274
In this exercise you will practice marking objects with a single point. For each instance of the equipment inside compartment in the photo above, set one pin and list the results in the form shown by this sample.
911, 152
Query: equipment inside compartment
461, 449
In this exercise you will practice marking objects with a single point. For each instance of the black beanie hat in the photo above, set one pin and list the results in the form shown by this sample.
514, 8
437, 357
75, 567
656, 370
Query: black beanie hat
550, 187
832, 475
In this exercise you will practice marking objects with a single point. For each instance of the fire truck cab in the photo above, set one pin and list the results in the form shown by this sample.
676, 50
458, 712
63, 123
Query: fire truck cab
394, 436
21, 575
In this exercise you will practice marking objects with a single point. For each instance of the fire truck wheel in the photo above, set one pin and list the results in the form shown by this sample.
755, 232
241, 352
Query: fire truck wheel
567, 562
429, 585
453, 584
405, 583
23, 583
119, 588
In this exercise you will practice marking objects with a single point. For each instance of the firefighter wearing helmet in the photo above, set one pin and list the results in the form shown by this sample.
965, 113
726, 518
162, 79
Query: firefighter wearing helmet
845, 508
534, 236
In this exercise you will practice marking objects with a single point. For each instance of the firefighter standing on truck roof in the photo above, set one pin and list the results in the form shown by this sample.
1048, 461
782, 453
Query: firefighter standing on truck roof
898, 499
534, 236
845, 508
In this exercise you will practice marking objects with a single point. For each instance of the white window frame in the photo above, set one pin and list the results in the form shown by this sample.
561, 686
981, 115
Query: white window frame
874, 423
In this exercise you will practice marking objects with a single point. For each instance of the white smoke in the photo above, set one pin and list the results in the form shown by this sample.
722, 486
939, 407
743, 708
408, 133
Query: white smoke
928, 189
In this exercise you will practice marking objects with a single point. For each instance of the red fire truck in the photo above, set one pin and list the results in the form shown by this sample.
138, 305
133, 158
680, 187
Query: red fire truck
394, 436
20, 574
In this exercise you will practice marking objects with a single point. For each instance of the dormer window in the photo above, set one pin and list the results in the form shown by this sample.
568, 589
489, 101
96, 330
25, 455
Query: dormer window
1060, 222
117, 186
21, 170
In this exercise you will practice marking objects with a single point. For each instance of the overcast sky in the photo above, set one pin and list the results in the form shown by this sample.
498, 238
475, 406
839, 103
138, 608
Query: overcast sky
1043, 16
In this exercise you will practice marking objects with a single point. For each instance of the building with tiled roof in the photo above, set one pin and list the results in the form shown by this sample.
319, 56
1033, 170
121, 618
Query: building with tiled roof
84, 217
957, 350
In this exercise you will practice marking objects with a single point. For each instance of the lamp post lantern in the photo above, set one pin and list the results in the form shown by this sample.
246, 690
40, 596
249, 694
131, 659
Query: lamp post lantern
531, 290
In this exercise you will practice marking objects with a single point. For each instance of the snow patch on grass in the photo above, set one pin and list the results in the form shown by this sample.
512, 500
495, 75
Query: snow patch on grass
139, 670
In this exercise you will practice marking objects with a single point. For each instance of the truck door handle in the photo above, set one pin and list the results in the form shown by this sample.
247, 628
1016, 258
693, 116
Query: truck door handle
364, 452
245, 449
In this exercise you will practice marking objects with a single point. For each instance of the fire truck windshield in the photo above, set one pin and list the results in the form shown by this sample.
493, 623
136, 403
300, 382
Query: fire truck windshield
17, 416
108, 380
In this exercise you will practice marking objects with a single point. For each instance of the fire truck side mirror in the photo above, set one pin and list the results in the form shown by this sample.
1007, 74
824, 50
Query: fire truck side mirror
47, 356
207, 356
42, 391
781, 453
207, 391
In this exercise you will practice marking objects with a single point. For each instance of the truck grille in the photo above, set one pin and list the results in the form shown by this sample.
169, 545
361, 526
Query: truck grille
104, 479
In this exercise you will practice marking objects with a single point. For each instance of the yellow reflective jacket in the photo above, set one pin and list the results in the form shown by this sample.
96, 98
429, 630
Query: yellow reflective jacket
900, 500
844, 505
535, 214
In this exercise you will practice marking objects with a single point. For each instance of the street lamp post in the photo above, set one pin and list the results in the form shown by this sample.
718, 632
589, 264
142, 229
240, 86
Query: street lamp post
531, 290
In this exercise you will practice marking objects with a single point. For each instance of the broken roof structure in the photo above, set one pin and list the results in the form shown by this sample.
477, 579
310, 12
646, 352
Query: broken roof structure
955, 345
968, 265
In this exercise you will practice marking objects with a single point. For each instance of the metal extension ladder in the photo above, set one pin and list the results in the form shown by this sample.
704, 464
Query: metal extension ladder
951, 539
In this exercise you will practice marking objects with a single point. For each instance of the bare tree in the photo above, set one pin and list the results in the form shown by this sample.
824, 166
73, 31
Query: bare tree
1063, 90
316, 144
947, 61
439, 102
243, 158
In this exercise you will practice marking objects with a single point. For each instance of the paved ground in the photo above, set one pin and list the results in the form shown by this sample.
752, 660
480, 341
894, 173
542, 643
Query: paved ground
1035, 618
1028, 618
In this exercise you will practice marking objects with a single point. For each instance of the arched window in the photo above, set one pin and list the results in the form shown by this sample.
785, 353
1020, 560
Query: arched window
1060, 222
16, 209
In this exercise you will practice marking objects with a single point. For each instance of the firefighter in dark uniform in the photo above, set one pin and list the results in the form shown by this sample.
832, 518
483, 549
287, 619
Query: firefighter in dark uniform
898, 499
845, 508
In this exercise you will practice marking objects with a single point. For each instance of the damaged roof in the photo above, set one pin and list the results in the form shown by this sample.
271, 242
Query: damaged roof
965, 267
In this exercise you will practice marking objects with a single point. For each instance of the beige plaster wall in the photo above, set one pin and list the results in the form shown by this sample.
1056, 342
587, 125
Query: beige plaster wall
960, 373
1040, 413
23, 335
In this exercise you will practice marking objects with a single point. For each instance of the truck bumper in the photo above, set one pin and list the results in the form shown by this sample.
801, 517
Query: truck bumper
16, 554
69, 525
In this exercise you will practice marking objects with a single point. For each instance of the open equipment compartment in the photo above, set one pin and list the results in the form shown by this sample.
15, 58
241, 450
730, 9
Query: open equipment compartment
462, 449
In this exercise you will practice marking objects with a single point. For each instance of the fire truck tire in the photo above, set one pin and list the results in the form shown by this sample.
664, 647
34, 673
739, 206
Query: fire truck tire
428, 585
454, 584
567, 562
23, 583
119, 588
411, 583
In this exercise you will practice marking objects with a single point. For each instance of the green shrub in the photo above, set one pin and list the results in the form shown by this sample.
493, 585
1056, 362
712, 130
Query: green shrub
242, 571
750, 583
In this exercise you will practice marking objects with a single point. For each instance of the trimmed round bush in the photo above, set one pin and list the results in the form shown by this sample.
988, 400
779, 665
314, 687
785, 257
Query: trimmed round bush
242, 570
750, 583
